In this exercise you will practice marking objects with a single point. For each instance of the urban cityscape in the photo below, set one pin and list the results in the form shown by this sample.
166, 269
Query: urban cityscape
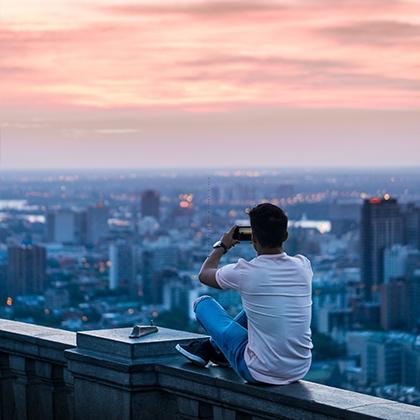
134, 134
85, 250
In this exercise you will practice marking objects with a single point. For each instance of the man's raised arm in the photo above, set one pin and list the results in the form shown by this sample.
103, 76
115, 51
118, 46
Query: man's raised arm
208, 270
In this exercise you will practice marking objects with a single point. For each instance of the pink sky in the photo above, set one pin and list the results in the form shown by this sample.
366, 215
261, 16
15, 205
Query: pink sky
154, 83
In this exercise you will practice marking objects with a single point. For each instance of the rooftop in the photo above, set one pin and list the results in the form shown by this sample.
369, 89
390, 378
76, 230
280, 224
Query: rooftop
46, 373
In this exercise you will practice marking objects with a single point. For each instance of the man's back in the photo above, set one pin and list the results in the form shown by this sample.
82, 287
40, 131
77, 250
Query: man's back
276, 296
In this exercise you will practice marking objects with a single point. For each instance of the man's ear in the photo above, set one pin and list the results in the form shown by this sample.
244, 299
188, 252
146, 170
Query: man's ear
286, 236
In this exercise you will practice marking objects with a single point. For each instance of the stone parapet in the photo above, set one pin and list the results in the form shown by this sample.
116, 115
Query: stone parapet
47, 373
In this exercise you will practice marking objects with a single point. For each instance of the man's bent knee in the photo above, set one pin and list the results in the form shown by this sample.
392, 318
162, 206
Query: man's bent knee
200, 299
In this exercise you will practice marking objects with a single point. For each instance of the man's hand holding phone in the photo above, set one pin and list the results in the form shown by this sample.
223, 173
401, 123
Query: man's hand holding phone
228, 239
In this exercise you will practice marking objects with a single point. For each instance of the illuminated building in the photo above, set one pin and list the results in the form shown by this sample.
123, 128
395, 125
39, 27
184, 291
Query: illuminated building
381, 227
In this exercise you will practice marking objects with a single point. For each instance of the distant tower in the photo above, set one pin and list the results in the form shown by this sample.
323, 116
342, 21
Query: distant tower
26, 272
97, 223
123, 268
66, 226
381, 227
150, 204
412, 225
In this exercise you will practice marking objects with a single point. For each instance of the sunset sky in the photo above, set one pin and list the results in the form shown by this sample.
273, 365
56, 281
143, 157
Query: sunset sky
101, 83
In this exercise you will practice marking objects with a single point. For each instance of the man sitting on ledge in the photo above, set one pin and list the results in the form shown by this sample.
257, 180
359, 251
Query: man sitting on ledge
269, 341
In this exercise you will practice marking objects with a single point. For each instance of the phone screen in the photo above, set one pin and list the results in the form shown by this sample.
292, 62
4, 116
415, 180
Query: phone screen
243, 233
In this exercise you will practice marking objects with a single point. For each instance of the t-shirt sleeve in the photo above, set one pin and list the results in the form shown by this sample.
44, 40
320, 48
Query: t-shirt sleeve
306, 263
228, 276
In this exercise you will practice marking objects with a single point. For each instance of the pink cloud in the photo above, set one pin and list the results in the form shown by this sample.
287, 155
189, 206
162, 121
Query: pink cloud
377, 33
197, 9
318, 53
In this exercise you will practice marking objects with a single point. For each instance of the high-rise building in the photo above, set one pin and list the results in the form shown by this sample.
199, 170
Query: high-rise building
150, 204
97, 223
411, 364
157, 257
26, 272
383, 358
381, 227
123, 265
395, 304
3, 281
400, 261
412, 225
414, 291
66, 226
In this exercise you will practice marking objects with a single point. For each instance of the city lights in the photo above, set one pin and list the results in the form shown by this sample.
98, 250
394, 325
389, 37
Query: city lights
135, 259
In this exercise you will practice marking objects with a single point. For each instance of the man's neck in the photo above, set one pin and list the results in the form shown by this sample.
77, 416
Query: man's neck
270, 251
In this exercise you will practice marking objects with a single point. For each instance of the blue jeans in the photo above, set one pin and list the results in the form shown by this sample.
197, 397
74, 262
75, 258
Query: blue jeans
229, 334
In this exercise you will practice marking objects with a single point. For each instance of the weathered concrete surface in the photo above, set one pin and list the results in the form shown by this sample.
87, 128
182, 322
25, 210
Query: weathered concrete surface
299, 400
116, 342
115, 377
34, 381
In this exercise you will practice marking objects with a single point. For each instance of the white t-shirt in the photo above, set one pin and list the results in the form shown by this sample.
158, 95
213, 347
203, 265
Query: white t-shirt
276, 294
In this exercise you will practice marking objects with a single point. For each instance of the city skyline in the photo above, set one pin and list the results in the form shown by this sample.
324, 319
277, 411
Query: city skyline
134, 84
88, 251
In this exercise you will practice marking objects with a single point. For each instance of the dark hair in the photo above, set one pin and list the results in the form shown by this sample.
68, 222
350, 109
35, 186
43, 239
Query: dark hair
269, 224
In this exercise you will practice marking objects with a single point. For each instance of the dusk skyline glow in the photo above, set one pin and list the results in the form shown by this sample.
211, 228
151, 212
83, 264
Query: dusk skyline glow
209, 84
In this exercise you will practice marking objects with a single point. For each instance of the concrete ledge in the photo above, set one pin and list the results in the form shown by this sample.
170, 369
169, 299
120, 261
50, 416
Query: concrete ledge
222, 386
34, 380
117, 377
35, 340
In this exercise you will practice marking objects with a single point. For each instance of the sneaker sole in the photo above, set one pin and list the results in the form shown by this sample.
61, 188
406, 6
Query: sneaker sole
192, 357
221, 364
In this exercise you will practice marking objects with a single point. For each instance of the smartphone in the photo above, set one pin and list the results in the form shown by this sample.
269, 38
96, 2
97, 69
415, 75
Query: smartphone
242, 233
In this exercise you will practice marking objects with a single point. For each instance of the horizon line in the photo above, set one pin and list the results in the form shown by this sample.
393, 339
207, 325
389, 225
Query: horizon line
216, 168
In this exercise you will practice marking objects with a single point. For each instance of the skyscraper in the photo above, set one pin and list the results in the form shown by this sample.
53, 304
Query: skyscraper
66, 226
150, 204
414, 291
412, 225
381, 227
123, 265
26, 272
395, 304
157, 257
97, 222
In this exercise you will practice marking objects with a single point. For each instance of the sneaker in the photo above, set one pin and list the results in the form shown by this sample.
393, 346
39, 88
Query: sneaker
198, 351
218, 358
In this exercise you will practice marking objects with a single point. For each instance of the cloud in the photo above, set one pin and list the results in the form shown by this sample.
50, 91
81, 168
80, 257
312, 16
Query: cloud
246, 53
10, 71
379, 33
198, 9
305, 80
257, 61
12, 39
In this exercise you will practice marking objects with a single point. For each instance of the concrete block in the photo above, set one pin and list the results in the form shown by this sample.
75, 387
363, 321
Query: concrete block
116, 342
